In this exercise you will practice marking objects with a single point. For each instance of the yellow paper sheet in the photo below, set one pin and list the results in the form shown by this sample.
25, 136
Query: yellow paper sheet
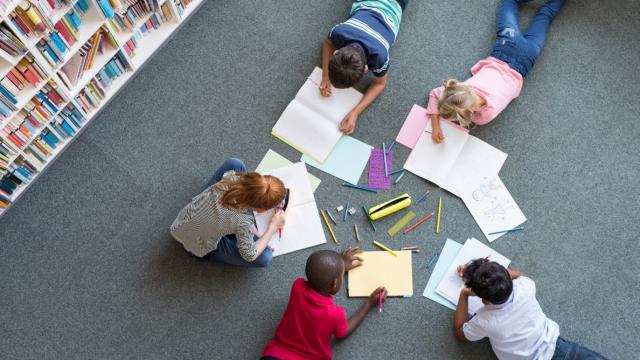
379, 268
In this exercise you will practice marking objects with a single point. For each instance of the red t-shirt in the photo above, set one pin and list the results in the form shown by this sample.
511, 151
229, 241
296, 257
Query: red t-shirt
307, 325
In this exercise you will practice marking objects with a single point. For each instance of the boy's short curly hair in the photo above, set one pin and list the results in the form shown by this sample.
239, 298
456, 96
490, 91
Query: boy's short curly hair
489, 280
347, 66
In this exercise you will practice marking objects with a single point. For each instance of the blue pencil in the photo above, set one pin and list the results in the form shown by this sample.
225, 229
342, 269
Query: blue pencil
399, 177
423, 196
370, 222
433, 259
390, 146
395, 172
359, 187
346, 212
506, 231
384, 157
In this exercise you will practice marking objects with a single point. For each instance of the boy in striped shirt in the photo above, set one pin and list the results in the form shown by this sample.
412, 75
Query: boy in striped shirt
358, 45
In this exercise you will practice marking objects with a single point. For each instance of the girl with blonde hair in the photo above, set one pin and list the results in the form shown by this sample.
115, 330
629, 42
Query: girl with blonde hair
218, 223
498, 79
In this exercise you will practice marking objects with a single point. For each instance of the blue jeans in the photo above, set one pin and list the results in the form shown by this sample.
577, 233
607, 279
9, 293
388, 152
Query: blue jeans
227, 251
402, 3
567, 350
513, 47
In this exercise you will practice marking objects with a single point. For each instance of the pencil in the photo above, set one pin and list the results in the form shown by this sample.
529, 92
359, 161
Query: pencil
385, 248
439, 213
399, 177
380, 301
355, 228
329, 227
423, 197
370, 222
331, 217
390, 146
384, 157
506, 231
407, 230
359, 187
410, 248
395, 172
433, 259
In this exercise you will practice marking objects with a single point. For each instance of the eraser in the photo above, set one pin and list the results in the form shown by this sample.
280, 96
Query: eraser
340, 208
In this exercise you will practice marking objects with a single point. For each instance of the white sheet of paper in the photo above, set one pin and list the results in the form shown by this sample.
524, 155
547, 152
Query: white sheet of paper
303, 228
491, 205
307, 131
334, 107
476, 157
432, 161
452, 284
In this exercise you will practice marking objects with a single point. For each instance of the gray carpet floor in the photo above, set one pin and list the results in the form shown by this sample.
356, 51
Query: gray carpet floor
89, 271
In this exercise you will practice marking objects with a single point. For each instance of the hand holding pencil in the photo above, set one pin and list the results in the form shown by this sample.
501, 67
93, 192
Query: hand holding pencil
377, 297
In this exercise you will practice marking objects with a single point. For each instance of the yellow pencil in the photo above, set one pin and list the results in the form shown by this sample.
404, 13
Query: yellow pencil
329, 226
439, 211
385, 248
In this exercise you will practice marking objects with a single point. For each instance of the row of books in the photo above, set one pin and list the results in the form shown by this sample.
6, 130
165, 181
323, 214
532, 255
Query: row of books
109, 7
97, 89
153, 23
9, 43
49, 7
65, 34
29, 20
21, 128
26, 74
64, 126
7, 152
21, 172
133, 11
181, 5
83, 60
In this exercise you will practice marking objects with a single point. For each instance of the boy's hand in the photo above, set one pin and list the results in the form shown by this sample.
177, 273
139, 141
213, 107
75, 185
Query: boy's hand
351, 261
348, 124
437, 135
375, 296
467, 292
461, 269
325, 87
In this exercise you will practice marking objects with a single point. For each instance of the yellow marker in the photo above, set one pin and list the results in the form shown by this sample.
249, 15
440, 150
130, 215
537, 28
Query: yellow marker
439, 212
329, 226
385, 248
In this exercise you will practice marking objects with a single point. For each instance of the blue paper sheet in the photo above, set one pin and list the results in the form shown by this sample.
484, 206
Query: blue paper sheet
347, 159
447, 255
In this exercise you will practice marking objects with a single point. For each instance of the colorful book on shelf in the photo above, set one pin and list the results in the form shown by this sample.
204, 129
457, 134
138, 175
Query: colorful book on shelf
10, 43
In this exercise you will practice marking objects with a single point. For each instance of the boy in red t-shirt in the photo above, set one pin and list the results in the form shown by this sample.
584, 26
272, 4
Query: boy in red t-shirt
311, 317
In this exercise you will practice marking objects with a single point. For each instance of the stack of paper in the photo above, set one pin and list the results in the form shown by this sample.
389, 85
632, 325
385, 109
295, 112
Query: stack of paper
303, 228
463, 165
311, 125
445, 284
272, 160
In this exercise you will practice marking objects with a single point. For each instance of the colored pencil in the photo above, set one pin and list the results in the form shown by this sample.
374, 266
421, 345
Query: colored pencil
385, 248
380, 301
399, 177
439, 212
395, 172
384, 157
346, 212
506, 231
410, 228
370, 222
331, 217
390, 146
333, 235
359, 187
355, 228
433, 259
423, 197
410, 248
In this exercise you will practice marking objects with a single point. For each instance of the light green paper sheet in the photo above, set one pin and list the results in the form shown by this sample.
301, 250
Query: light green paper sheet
272, 160
447, 255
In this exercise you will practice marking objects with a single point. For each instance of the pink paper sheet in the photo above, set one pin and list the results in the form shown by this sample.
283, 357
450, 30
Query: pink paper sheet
377, 178
415, 124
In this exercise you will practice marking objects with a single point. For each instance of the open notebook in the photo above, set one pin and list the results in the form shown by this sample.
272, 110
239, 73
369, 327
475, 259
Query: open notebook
303, 228
451, 283
450, 163
310, 123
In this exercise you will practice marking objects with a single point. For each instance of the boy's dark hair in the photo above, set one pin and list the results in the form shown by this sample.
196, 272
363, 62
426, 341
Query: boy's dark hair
489, 280
346, 66
323, 267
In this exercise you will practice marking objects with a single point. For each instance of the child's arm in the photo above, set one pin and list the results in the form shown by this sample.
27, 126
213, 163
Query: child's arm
370, 303
462, 313
327, 51
436, 132
348, 124
514, 274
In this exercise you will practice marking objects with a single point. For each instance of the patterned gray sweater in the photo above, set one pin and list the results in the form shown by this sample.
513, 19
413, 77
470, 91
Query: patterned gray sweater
200, 225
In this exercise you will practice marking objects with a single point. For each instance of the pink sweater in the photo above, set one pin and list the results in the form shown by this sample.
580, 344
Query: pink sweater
492, 79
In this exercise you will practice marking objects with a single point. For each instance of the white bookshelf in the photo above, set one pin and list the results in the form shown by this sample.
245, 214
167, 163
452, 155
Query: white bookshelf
91, 21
